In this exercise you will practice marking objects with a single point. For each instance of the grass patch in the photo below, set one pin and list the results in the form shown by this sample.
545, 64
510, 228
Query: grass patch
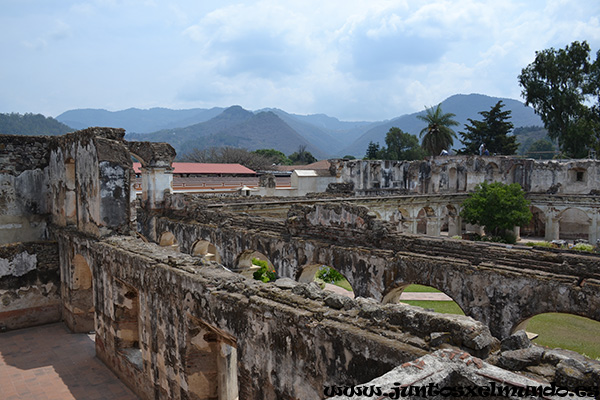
443, 307
567, 332
421, 289
344, 284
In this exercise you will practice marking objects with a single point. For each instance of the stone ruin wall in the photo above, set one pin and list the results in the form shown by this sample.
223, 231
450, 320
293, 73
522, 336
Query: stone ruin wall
158, 313
29, 285
290, 338
457, 174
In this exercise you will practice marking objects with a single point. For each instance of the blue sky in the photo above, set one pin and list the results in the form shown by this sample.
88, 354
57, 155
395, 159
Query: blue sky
351, 59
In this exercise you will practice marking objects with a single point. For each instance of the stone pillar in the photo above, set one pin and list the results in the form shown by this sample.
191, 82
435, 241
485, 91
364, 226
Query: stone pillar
454, 226
593, 234
433, 226
552, 227
412, 224
155, 182
517, 232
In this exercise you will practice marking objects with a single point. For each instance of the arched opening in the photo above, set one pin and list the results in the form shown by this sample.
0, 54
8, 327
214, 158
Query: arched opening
567, 331
450, 222
250, 261
491, 172
461, 179
574, 224
422, 296
167, 239
70, 193
210, 362
126, 313
426, 223
537, 226
517, 175
327, 277
79, 297
204, 248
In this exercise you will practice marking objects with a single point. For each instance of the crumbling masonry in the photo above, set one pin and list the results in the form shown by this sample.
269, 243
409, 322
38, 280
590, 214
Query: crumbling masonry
173, 323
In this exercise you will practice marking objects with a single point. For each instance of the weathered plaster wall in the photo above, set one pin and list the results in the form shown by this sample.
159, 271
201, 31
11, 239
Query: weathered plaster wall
462, 173
289, 340
90, 181
29, 284
23, 188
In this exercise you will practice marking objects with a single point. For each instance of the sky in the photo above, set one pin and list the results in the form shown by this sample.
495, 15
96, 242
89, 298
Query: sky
351, 59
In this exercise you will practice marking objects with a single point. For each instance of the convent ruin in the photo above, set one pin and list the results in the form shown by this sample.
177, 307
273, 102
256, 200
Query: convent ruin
161, 278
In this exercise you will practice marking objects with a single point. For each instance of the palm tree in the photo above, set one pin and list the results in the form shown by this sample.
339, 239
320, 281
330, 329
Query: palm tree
437, 135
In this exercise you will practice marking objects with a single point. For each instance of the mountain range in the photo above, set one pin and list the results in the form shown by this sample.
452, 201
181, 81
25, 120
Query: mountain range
322, 135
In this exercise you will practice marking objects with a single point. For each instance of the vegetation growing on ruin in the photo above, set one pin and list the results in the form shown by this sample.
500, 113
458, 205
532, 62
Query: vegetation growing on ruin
264, 273
498, 208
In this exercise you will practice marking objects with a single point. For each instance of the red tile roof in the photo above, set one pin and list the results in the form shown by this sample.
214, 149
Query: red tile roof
205, 168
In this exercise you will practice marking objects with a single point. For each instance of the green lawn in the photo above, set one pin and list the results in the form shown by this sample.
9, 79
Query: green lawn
568, 332
444, 307
421, 289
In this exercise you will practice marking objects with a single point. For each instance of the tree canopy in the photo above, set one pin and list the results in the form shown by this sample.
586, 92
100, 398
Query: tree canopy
497, 207
560, 85
492, 131
302, 157
31, 124
437, 135
275, 156
399, 146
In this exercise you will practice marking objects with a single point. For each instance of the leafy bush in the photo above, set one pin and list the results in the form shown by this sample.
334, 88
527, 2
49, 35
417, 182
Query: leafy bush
329, 275
263, 274
583, 247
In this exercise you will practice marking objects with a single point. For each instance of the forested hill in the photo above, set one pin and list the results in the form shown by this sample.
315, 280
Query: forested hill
31, 124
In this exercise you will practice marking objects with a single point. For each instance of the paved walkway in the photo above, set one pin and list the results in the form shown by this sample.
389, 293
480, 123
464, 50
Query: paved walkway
404, 296
50, 363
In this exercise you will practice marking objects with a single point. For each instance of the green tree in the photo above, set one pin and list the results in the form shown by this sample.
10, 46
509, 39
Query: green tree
302, 157
437, 135
497, 207
492, 131
560, 85
373, 151
275, 156
542, 149
401, 146
229, 155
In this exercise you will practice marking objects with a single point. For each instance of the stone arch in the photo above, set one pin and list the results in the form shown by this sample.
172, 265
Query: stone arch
491, 172
425, 218
206, 249
537, 225
79, 297
70, 192
517, 174
210, 362
167, 239
308, 273
243, 262
538, 323
574, 224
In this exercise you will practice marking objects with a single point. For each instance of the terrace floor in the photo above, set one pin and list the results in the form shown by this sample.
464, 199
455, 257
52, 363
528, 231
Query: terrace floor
50, 363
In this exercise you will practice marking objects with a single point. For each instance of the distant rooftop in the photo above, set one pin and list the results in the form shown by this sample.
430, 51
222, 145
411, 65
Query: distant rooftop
204, 168
323, 164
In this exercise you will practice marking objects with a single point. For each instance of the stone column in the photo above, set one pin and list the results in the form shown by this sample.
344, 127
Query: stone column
517, 232
454, 226
552, 226
155, 182
593, 234
433, 226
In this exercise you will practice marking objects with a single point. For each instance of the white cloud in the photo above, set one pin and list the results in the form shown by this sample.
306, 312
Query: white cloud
356, 59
